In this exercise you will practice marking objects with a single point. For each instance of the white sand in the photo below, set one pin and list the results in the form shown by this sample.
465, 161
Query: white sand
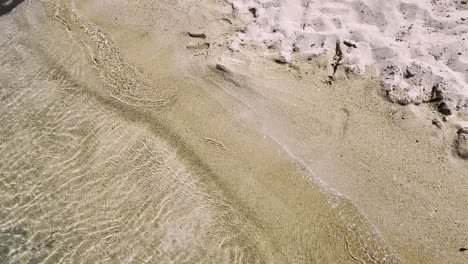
427, 39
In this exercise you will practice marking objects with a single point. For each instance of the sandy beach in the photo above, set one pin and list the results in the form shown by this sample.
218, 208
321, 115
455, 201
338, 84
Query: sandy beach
233, 132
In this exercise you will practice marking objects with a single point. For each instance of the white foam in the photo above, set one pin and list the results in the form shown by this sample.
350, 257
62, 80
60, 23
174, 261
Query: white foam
424, 38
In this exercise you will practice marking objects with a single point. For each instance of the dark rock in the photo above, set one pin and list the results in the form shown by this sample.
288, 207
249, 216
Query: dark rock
253, 10
443, 109
463, 249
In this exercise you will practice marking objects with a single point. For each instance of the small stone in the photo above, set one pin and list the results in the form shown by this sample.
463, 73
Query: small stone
463, 249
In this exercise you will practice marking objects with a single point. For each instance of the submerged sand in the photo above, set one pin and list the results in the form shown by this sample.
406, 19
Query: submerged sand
126, 140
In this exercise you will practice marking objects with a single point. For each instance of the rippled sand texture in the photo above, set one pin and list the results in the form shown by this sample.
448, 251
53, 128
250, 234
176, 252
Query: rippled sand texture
92, 169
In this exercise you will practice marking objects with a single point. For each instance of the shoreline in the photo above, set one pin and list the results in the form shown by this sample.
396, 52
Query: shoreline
235, 134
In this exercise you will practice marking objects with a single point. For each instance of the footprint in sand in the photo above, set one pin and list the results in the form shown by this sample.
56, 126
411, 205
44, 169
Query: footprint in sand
342, 120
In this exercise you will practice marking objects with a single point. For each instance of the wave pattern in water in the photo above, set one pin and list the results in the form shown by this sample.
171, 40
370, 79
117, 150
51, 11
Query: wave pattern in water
82, 184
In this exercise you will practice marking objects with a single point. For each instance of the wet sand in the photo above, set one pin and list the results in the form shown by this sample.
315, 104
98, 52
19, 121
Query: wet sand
123, 145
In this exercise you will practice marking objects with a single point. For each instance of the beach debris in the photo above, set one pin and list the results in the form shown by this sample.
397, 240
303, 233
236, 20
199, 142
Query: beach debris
463, 249
337, 59
350, 44
462, 143
443, 109
197, 35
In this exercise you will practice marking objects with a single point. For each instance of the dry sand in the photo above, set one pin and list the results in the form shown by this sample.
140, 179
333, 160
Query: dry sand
418, 48
127, 140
